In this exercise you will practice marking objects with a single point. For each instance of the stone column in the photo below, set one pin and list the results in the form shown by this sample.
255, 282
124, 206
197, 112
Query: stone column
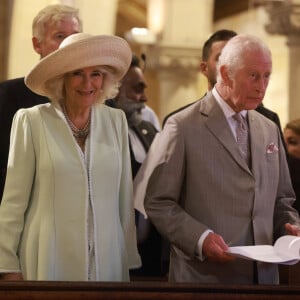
284, 19
176, 71
176, 56
98, 16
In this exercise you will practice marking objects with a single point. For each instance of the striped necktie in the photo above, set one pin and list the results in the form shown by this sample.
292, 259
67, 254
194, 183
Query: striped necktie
242, 136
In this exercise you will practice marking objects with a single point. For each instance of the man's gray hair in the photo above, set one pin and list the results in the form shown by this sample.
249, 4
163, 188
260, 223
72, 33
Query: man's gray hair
52, 14
233, 53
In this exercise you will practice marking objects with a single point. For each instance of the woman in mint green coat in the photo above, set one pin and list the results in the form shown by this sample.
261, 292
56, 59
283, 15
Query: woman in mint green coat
67, 210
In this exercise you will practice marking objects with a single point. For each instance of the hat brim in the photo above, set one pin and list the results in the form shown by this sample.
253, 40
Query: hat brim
101, 50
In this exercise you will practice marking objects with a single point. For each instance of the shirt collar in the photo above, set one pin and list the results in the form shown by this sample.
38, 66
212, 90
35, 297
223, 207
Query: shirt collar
227, 110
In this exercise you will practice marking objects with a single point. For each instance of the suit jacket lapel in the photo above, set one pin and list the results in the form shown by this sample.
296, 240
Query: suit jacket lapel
145, 132
256, 139
218, 125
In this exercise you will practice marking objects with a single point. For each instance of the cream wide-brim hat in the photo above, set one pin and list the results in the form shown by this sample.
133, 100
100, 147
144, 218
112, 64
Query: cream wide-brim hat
81, 50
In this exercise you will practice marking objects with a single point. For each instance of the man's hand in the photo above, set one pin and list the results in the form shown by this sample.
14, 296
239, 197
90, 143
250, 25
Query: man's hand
292, 229
11, 276
214, 249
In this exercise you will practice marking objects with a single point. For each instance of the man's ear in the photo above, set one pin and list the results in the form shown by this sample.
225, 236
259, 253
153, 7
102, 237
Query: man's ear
225, 75
203, 68
36, 45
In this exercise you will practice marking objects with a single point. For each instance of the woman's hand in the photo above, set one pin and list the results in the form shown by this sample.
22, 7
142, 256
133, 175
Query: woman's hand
11, 276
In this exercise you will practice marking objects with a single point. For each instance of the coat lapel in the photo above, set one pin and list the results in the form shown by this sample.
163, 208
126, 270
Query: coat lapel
219, 127
256, 139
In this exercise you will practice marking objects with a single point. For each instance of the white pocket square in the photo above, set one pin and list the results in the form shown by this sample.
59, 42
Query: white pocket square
271, 148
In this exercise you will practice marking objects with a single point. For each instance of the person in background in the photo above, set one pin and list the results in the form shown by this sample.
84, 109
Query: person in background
149, 115
50, 26
131, 99
208, 191
210, 54
67, 211
292, 137
211, 51
292, 140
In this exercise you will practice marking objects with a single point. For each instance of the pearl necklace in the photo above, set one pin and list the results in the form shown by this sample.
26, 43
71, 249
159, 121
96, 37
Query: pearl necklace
78, 133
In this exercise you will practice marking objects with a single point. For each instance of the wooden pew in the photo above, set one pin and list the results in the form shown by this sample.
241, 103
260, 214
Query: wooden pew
141, 290
289, 274
160, 289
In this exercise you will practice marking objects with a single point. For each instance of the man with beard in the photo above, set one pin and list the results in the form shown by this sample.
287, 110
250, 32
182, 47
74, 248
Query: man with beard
131, 99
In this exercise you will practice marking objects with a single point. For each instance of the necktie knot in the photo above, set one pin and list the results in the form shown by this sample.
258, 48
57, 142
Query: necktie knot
240, 121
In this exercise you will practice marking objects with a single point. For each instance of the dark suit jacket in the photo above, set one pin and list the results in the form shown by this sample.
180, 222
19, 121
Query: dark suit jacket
146, 133
14, 95
274, 117
150, 244
294, 167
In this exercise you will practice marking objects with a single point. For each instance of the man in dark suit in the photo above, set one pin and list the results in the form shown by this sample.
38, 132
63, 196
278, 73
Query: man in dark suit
51, 25
131, 99
210, 54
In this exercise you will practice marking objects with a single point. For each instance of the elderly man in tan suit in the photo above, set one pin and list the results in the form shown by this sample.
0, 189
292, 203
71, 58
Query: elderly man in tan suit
206, 191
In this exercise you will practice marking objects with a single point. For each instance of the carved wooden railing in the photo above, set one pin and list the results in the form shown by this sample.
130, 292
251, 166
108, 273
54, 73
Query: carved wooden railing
28, 290
146, 290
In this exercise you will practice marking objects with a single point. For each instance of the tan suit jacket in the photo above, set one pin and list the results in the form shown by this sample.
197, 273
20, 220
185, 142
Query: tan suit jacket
200, 181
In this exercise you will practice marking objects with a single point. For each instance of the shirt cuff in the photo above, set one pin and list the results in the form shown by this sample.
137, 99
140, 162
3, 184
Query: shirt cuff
200, 244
